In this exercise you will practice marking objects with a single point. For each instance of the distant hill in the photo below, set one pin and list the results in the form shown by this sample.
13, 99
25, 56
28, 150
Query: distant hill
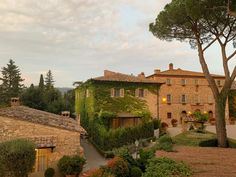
63, 90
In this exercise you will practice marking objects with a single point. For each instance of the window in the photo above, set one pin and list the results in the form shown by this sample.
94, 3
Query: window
183, 99
169, 115
41, 161
196, 82
116, 92
168, 81
219, 83
183, 82
139, 92
197, 99
169, 98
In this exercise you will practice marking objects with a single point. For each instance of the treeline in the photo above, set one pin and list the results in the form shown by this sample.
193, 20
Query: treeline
43, 96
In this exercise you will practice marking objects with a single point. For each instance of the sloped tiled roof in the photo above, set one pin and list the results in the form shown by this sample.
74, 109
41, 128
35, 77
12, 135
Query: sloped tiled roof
40, 117
180, 72
119, 77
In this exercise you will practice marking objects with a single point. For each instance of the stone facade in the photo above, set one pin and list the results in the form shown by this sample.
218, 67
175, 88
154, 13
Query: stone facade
183, 93
55, 136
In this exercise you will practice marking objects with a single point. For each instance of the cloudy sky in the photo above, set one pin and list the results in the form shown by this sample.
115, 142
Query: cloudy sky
78, 39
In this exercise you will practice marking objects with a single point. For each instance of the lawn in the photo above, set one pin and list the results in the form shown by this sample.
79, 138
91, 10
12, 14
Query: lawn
193, 138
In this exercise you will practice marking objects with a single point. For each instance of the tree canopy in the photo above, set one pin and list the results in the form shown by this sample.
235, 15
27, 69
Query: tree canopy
11, 82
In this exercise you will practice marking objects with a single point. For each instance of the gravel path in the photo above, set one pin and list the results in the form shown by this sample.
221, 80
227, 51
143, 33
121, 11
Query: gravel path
206, 162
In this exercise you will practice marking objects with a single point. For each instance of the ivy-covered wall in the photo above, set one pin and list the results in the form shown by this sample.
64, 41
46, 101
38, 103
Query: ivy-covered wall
99, 99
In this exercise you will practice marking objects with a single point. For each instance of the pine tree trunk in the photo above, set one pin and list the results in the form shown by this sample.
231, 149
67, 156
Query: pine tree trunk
220, 121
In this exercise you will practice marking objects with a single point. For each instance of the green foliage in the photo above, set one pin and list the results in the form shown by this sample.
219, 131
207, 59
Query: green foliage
100, 100
118, 167
135, 172
114, 138
201, 116
144, 156
209, 143
17, 157
156, 123
165, 143
49, 172
49, 82
164, 167
232, 103
71, 165
11, 82
126, 155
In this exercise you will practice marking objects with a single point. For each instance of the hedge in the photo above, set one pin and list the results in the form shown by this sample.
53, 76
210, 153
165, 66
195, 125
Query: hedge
115, 138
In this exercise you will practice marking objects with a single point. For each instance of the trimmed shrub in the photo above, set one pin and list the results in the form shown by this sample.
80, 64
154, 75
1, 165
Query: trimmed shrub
100, 172
118, 167
71, 165
135, 172
165, 143
17, 157
114, 138
49, 172
209, 143
164, 167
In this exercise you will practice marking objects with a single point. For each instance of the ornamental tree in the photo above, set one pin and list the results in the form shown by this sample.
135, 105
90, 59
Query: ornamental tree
203, 23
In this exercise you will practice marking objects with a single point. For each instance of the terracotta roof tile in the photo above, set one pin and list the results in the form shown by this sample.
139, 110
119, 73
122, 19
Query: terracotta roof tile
40, 117
119, 77
180, 72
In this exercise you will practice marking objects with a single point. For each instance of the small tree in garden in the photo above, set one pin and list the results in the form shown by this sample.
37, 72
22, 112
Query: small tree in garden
71, 165
17, 157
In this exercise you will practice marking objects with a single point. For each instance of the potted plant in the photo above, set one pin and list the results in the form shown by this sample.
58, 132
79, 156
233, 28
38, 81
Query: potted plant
174, 122
71, 166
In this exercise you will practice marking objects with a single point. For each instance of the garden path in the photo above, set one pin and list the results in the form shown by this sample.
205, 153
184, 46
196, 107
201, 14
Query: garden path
93, 158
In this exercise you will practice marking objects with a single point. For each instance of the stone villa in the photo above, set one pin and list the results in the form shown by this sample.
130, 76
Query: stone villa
123, 96
54, 135
185, 92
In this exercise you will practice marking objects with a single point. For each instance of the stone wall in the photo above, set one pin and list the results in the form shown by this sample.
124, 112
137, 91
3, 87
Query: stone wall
66, 142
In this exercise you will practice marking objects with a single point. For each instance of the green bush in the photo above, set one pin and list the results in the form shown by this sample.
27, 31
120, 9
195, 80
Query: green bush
118, 167
201, 116
209, 143
144, 156
71, 165
165, 143
164, 167
49, 172
114, 138
156, 123
135, 172
17, 157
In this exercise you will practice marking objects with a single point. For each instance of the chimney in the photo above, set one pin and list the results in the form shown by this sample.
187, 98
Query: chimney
171, 66
157, 71
15, 101
65, 114
108, 73
141, 75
